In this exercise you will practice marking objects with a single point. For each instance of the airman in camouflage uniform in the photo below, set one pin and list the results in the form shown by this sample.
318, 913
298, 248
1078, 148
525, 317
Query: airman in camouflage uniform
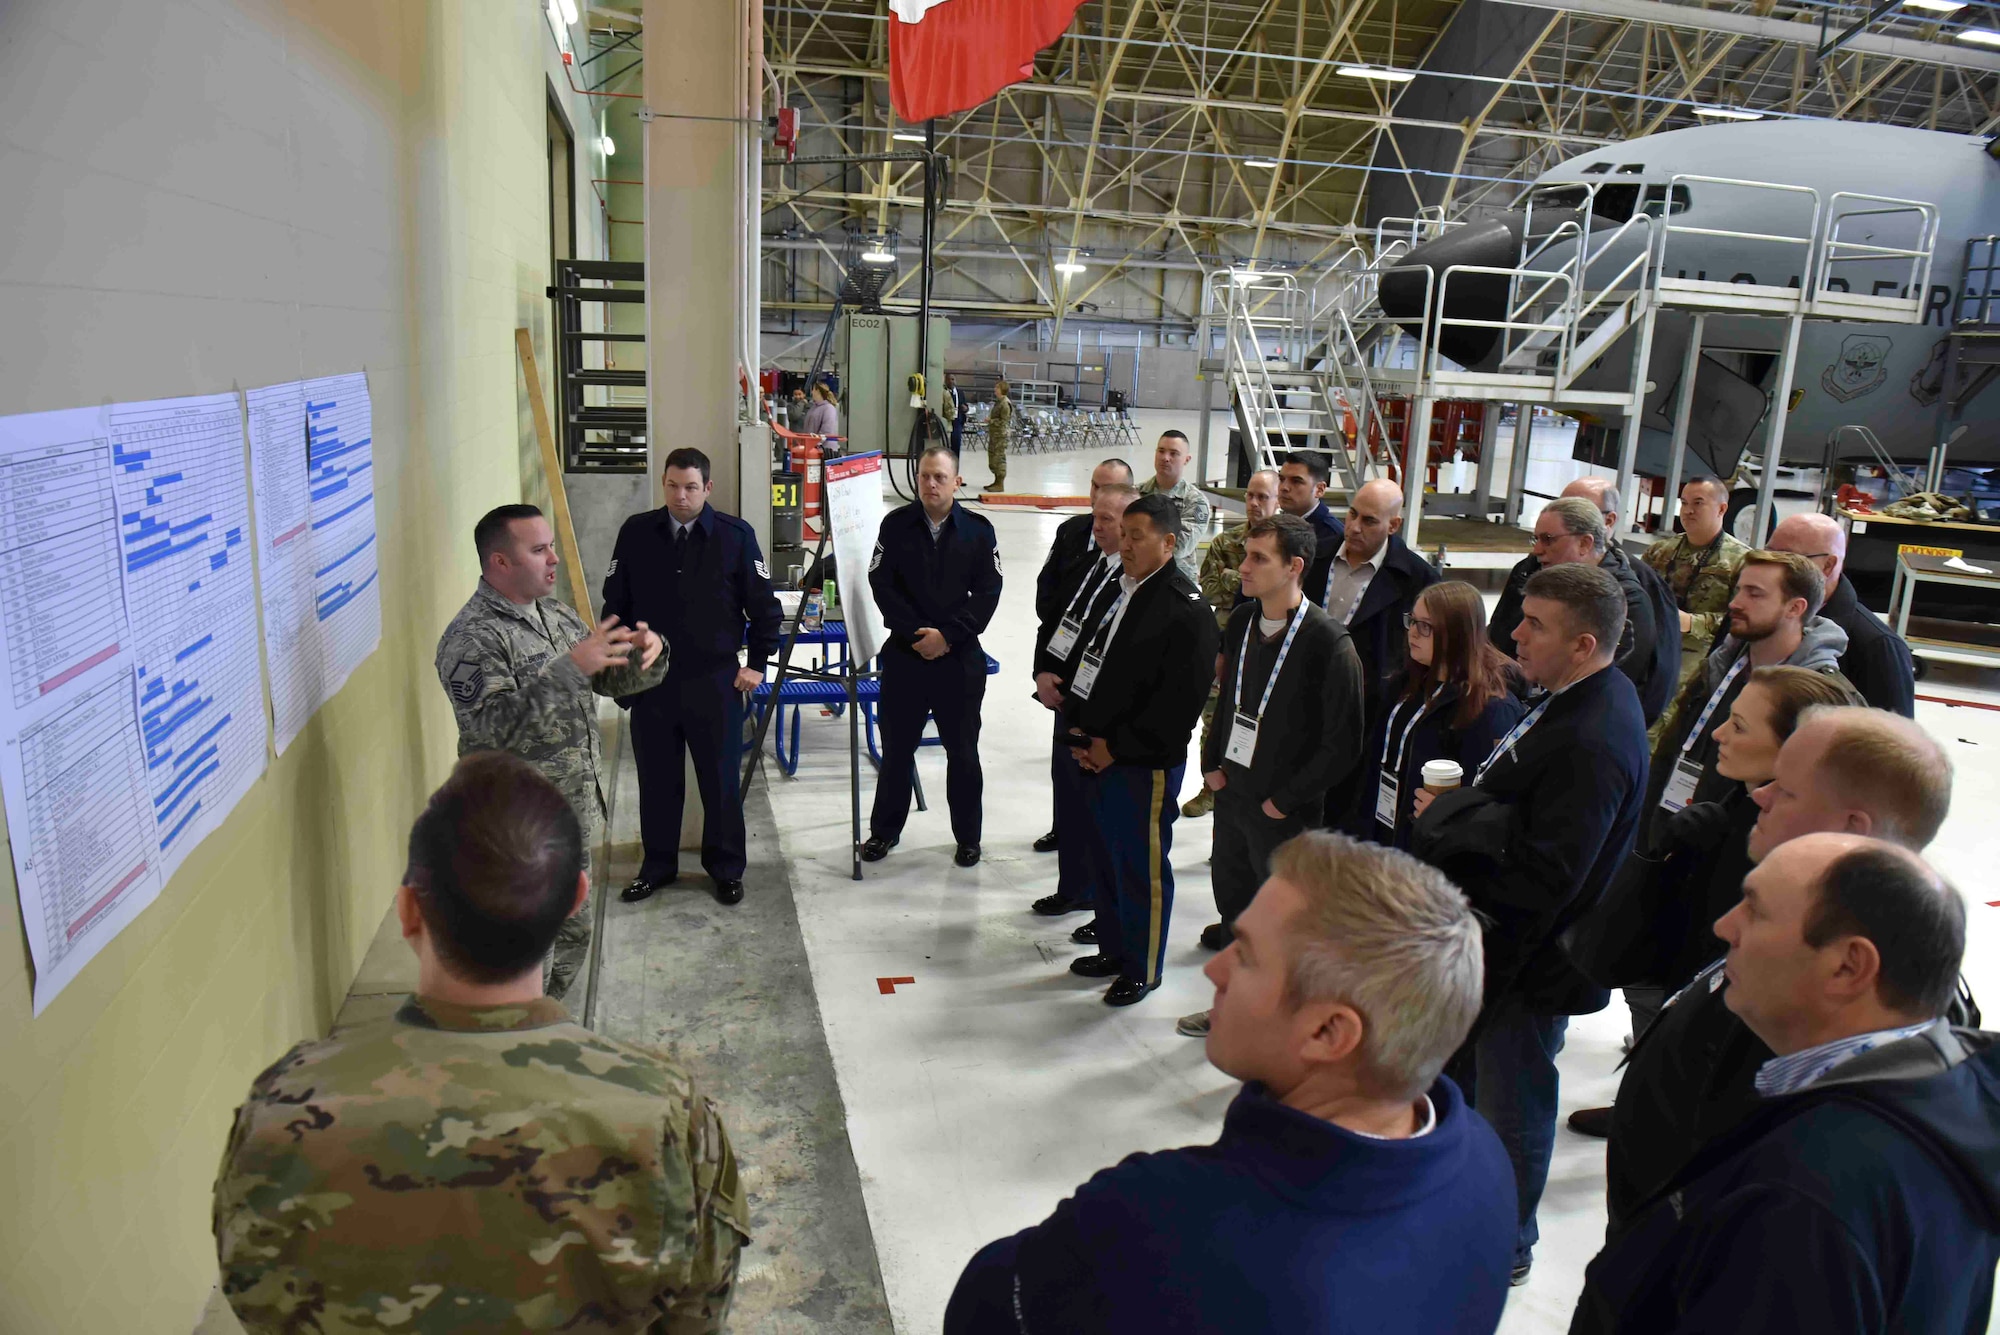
507, 669
999, 432
1702, 579
477, 1168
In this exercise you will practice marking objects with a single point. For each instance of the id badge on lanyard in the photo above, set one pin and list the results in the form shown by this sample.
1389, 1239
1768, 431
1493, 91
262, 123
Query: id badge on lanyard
1389, 783
1242, 745
1242, 740
1086, 675
1687, 770
1680, 787
1068, 632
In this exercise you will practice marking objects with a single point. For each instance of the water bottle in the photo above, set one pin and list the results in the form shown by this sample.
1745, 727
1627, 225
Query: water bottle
811, 611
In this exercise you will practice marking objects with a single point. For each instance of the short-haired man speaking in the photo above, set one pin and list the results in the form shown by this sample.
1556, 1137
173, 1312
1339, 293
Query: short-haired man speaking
1352, 1189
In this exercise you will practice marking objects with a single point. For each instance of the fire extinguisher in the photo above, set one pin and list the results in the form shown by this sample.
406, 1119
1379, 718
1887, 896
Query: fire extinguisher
806, 456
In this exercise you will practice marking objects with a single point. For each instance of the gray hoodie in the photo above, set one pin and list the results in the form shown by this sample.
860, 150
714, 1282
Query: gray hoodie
1820, 647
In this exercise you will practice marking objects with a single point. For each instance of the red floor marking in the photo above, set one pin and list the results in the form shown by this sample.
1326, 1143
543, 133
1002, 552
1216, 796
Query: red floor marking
1028, 499
888, 985
1959, 704
1993, 903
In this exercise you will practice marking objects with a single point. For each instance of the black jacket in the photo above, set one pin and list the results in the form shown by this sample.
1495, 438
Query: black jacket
1431, 737
1876, 660
1866, 1202
703, 609
1377, 624
1649, 649
951, 585
1573, 784
1070, 551
1156, 673
1084, 586
1649, 652
1328, 534
1305, 744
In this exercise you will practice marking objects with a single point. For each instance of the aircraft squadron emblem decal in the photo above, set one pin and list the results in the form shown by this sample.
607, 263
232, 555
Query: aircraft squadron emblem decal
1860, 368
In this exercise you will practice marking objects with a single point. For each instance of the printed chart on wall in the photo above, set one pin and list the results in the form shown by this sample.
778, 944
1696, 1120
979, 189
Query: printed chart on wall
312, 458
132, 717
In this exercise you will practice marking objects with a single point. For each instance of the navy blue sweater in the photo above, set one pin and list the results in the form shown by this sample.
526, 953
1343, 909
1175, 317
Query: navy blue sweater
1287, 1223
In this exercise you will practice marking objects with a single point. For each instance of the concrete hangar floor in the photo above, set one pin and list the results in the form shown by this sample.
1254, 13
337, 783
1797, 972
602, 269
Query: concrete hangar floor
885, 1135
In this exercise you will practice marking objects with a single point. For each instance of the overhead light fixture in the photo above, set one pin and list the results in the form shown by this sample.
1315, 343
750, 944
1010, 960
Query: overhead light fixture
877, 257
1371, 72
908, 136
1935, 6
1983, 36
604, 142
568, 11
1728, 114
1261, 162
1069, 266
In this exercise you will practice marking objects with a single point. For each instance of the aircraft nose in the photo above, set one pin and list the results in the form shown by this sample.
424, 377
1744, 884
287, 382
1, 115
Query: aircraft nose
1494, 243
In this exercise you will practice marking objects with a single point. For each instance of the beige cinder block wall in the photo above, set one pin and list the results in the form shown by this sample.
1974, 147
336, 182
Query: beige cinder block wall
195, 195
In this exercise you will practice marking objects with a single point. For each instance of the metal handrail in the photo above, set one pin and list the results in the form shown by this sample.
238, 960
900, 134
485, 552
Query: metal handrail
1810, 240
1555, 323
1986, 295
1920, 256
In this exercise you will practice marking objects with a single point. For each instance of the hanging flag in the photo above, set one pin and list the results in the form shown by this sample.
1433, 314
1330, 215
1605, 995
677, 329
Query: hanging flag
950, 55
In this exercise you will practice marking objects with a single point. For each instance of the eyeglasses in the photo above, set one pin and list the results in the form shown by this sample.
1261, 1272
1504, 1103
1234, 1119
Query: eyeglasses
1422, 629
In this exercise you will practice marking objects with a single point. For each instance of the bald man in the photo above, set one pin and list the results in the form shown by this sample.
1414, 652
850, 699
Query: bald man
1877, 660
1371, 584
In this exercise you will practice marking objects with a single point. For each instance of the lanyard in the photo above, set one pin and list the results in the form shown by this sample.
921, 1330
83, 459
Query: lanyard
1298, 618
1100, 640
1700, 724
1507, 742
1088, 590
1402, 739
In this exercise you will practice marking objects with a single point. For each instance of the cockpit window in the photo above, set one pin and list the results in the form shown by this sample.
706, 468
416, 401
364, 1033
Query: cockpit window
1657, 201
1560, 196
1597, 169
1632, 169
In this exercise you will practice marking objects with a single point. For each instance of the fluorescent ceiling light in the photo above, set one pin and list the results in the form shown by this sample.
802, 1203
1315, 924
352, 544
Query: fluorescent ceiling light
908, 136
1983, 36
568, 11
1261, 162
1936, 6
1069, 266
608, 147
1728, 114
1370, 72
877, 257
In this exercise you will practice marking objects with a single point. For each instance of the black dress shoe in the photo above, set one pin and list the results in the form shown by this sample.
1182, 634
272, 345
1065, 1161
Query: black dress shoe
1216, 937
1519, 1275
642, 887
1054, 906
1096, 966
1047, 843
1591, 1122
1085, 935
1124, 992
877, 849
729, 892
967, 855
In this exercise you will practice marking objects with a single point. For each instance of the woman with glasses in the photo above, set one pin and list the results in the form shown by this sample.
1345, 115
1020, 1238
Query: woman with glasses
1453, 700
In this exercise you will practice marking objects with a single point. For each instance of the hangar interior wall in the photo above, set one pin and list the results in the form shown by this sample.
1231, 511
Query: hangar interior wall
195, 195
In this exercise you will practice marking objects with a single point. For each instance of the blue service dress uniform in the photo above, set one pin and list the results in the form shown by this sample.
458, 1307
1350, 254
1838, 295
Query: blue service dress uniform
705, 588
951, 582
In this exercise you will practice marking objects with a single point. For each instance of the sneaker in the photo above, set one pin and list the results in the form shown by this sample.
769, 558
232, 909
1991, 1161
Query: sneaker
1193, 1026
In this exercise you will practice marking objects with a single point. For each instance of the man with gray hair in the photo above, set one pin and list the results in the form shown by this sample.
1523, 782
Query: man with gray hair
1354, 974
1876, 659
1860, 1192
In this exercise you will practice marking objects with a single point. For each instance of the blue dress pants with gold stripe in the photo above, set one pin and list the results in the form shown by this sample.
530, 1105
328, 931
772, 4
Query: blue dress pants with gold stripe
1133, 810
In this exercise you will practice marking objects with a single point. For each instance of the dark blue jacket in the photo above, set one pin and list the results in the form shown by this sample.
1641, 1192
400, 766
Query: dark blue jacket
951, 585
1574, 784
1377, 624
1431, 737
1328, 534
1071, 550
1876, 660
704, 611
1287, 1223
1867, 1202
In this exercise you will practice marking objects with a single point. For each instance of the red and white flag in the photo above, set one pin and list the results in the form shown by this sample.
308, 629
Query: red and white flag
950, 55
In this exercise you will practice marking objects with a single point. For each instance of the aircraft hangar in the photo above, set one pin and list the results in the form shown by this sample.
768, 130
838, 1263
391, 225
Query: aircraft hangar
311, 300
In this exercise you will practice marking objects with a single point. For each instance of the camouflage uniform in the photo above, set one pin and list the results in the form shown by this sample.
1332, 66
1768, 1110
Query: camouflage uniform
1703, 580
507, 672
1221, 580
457, 1168
1195, 512
999, 427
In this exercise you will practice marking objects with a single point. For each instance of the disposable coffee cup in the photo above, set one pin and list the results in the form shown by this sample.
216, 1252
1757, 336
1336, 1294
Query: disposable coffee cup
1441, 776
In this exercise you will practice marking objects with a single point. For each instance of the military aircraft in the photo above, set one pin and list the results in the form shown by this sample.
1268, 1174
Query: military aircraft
1740, 203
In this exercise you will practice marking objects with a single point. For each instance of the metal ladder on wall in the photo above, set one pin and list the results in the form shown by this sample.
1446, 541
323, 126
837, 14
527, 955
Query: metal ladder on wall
1279, 403
598, 433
